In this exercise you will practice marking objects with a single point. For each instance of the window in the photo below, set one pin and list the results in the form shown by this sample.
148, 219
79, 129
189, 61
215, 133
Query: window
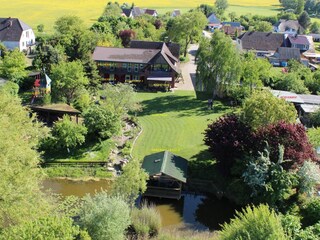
22, 44
128, 77
135, 77
27, 34
111, 77
124, 65
141, 66
129, 67
112, 66
136, 67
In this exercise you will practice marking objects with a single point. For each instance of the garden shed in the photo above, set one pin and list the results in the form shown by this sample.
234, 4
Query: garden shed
167, 172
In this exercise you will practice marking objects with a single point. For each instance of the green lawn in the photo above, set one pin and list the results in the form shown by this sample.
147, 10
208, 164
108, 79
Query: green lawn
175, 122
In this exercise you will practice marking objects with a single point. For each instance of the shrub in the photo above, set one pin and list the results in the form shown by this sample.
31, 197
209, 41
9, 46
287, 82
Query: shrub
43, 228
310, 212
254, 223
104, 217
146, 221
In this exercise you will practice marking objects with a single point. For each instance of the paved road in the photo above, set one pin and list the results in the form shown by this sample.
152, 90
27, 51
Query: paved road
189, 71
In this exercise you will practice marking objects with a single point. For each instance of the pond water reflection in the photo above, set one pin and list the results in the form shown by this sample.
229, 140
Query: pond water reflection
196, 211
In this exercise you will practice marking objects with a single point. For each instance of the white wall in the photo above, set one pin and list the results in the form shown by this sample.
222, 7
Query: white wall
27, 39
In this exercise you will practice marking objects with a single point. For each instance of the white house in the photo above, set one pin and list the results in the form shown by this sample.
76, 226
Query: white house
16, 34
290, 27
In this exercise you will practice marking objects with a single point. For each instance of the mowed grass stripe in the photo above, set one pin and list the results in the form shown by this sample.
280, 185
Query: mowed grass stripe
174, 122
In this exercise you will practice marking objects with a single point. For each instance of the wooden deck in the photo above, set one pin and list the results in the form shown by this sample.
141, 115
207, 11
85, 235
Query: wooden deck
161, 192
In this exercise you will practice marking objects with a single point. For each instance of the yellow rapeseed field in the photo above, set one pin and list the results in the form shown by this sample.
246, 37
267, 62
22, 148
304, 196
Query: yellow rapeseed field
35, 12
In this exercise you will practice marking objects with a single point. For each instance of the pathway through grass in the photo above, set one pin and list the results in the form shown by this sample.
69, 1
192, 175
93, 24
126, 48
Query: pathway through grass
175, 122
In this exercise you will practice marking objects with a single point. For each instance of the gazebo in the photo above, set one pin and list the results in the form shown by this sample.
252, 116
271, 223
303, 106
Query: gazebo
167, 172
52, 112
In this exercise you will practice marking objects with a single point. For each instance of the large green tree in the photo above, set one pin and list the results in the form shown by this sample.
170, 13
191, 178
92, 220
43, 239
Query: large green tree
68, 78
131, 182
102, 121
218, 65
20, 196
12, 66
76, 39
262, 108
187, 28
221, 6
112, 10
67, 134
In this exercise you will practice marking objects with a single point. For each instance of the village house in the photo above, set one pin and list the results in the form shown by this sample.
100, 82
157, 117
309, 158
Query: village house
16, 34
283, 54
213, 22
136, 12
176, 13
145, 64
151, 12
302, 42
291, 27
261, 43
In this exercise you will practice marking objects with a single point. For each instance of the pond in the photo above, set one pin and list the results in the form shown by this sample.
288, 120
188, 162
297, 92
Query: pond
198, 212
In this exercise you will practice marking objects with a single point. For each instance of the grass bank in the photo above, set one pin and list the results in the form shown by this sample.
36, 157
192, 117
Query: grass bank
77, 172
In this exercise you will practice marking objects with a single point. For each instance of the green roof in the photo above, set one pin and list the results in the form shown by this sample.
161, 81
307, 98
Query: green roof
166, 163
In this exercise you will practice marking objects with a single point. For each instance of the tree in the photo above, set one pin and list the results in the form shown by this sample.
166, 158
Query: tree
228, 139
221, 6
315, 27
102, 121
206, 9
263, 26
314, 136
254, 70
262, 108
289, 4
300, 6
309, 177
104, 217
269, 181
122, 98
21, 198
74, 36
313, 83
112, 10
51, 227
126, 36
315, 119
293, 137
187, 28
131, 183
40, 28
13, 65
10, 87
232, 16
218, 65
292, 82
304, 20
257, 223
68, 78
67, 133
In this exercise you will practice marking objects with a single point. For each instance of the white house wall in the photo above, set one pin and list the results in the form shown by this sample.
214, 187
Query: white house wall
27, 39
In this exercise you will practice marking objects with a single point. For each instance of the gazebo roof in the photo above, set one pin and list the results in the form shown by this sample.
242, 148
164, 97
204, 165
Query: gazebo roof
166, 163
59, 107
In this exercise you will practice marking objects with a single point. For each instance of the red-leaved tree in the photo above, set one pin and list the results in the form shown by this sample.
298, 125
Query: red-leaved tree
293, 137
228, 139
126, 36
